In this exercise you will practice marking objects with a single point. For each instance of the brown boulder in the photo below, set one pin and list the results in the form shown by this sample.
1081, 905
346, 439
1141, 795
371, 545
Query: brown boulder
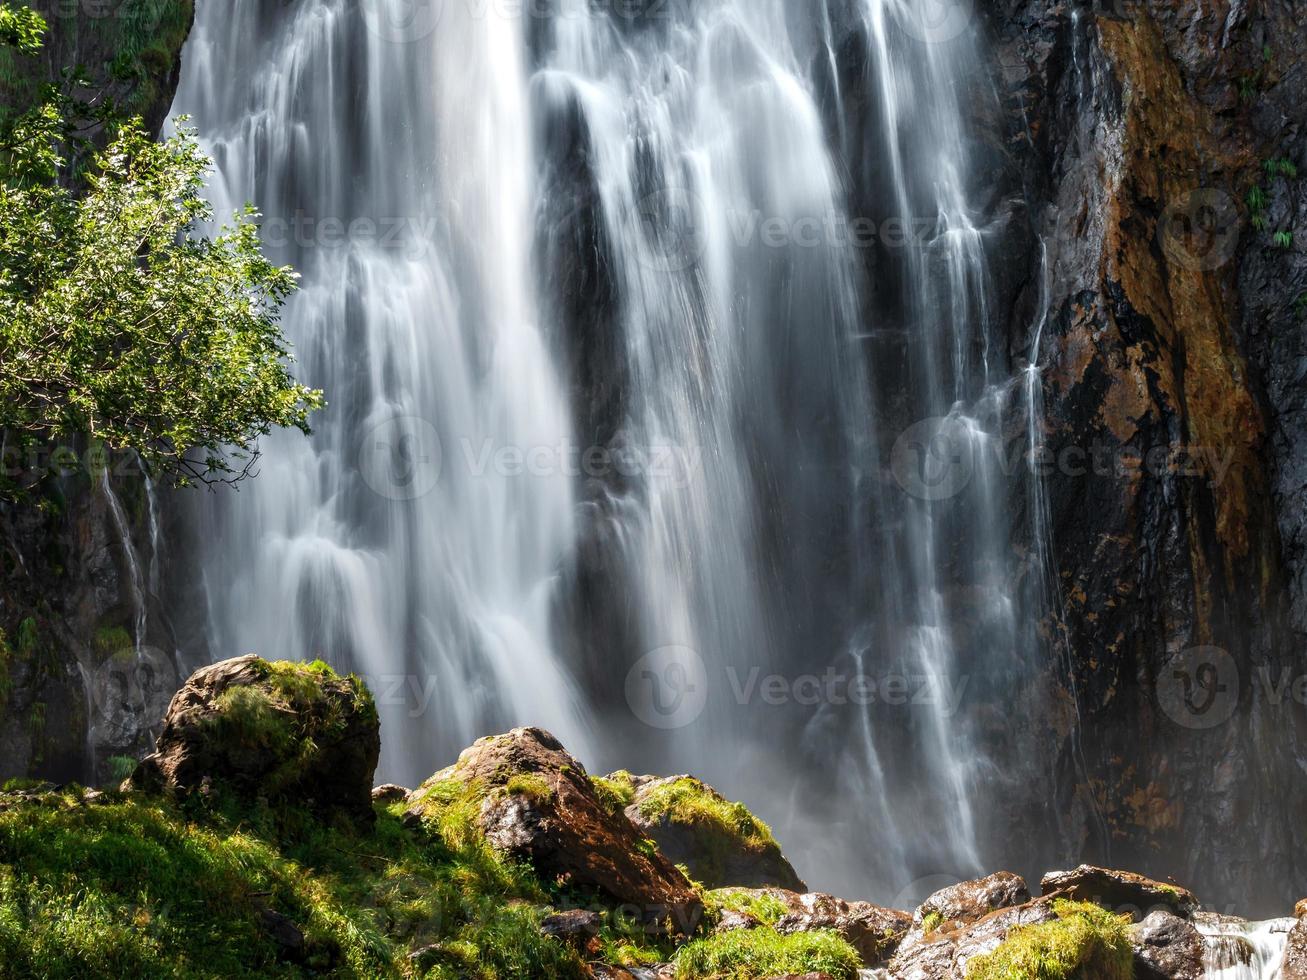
1120, 891
298, 733
719, 841
1167, 948
389, 793
945, 952
1294, 964
537, 804
968, 901
1300, 910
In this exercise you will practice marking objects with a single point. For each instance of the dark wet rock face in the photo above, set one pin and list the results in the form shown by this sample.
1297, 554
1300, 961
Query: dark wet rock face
1169, 363
1167, 948
284, 733
539, 805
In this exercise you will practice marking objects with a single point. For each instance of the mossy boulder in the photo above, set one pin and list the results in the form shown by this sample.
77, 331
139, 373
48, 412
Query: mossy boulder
1121, 891
874, 932
719, 841
1081, 942
533, 802
277, 732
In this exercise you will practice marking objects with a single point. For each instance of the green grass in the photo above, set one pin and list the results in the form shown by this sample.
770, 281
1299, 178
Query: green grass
689, 802
138, 887
766, 908
757, 953
1084, 942
616, 791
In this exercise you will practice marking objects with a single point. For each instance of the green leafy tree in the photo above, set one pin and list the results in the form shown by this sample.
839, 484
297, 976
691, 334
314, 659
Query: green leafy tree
119, 319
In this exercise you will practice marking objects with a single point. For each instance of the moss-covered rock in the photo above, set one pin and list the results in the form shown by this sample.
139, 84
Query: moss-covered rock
719, 841
104, 885
1083, 942
761, 953
533, 802
1122, 891
277, 732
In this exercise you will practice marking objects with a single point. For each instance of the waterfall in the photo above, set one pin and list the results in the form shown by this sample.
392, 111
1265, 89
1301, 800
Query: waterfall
135, 577
629, 430
1238, 950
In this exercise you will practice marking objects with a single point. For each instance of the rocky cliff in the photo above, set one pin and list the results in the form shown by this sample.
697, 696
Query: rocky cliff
1151, 157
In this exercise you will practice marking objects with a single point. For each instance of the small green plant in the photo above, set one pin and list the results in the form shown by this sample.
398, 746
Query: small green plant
530, 785
931, 921
752, 954
615, 791
1300, 306
763, 906
1280, 167
120, 767
1282, 239
1084, 942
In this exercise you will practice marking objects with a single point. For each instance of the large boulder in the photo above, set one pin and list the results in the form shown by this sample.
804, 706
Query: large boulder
719, 841
873, 931
296, 733
534, 802
1120, 891
1294, 964
968, 901
943, 953
1167, 947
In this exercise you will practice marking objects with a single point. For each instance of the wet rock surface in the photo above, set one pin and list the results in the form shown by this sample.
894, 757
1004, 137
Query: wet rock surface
1167, 948
1294, 965
971, 900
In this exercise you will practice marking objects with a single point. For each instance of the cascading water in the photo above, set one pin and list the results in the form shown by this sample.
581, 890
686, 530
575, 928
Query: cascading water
612, 389
1238, 950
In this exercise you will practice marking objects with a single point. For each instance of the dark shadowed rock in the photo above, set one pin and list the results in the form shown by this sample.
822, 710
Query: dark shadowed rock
721, 842
1167, 948
971, 900
578, 928
1120, 891
284, 932
389, 793
537, 804
296, 733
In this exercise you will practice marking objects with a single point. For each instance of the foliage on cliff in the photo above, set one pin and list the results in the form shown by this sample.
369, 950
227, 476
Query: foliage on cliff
118, 318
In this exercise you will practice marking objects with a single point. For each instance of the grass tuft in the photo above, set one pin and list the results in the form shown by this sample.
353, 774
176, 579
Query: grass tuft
1084, 942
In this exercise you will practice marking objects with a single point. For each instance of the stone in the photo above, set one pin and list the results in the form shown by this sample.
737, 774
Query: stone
1167, 948
968, 901
538, 805
294, 733
578, 928
389, 793
873, 931
1120, 891
720, 842
944, 953
1294, 964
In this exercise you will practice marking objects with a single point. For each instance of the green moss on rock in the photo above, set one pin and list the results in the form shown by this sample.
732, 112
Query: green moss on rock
1084, 942
752, 954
